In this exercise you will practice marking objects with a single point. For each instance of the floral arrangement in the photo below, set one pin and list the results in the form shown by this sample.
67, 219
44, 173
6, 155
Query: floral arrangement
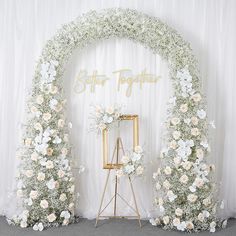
185, 187
132, 163
105, 118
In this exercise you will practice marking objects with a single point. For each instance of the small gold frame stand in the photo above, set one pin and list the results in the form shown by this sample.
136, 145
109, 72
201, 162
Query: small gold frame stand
118, 147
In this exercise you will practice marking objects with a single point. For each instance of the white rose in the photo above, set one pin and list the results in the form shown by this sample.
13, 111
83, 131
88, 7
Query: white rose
200, 217
184, 108
189, 225
49, 165
184, 179
65, 222
195, 131
71, 206
176, 135
41, 176
66, 139
49, 151
53, 89
176, 221
33, 109
196, 97
72, 189
212, 226
177, 160
29, 173
139, 170
194, 120
52, 217
125, 159
186, 165
64, 151
44, 204
61, 173
199, 182
175, 121
38, 126
160, 201
23, 224
192, 197
28, 142
33, 194
60, 123
34, 156
166, 184
173, 144
110, 110
19, 193
179, 212
207, 201
39, 99
199, 153
166, 220
158, 186
167, 170
47, 116
138, 149
63, 197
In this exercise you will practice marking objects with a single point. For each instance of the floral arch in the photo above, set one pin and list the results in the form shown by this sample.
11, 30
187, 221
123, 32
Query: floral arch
185, 190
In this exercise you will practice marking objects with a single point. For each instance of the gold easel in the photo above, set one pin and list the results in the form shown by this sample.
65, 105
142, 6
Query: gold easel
118, 147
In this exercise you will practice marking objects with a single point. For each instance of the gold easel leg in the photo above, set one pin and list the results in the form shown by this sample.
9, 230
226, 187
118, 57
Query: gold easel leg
103, 194
135, 202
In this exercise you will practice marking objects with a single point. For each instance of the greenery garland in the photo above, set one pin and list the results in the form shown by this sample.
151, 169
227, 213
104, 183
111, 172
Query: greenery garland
186, 190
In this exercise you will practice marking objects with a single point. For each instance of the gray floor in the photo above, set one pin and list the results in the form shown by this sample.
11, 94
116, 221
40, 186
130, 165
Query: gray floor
105, 228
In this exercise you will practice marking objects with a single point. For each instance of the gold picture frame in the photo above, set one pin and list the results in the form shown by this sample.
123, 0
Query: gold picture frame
135, 121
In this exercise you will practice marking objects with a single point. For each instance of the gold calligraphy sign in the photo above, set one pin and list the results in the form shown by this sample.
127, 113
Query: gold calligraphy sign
124, 77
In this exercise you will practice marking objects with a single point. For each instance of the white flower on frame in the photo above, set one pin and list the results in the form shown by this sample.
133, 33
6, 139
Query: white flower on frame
138, 149
53, 104
129, 169
125, 159
139, 170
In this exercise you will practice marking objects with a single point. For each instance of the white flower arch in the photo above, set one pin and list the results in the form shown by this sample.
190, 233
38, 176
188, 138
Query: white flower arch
46, 184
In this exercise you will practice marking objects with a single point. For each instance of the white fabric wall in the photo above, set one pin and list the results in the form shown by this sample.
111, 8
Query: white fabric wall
208, 25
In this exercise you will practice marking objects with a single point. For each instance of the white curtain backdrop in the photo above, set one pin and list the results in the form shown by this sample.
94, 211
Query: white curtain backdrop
209, 26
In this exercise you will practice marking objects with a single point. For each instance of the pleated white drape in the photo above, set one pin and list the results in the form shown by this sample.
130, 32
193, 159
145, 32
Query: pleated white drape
209, 26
